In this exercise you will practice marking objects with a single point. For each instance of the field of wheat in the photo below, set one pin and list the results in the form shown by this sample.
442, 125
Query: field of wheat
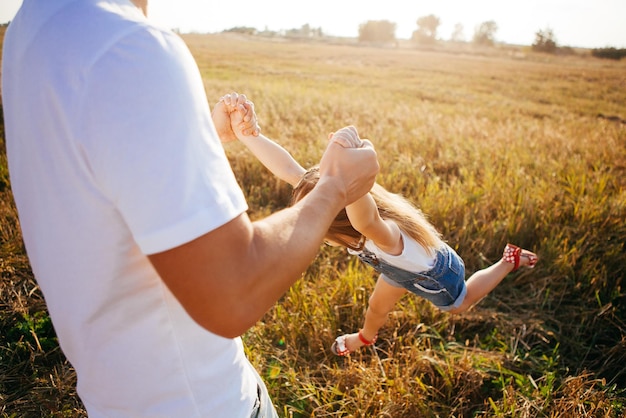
494, 146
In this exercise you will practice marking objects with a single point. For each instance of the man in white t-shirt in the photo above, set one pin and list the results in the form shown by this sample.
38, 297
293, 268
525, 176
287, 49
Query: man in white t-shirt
134, 224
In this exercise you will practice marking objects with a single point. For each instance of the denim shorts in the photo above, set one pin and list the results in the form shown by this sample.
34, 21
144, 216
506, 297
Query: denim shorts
443, 284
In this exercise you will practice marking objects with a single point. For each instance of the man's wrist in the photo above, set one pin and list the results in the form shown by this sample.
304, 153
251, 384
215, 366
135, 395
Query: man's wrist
332, 189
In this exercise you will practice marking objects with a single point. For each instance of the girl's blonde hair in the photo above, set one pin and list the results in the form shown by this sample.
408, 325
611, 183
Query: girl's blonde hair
408, 217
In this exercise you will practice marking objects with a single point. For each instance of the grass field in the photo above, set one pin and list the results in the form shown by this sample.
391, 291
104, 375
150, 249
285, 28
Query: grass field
495, 147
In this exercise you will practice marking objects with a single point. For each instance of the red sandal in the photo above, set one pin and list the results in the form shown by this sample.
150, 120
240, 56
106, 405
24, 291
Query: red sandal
512, 254
339, 347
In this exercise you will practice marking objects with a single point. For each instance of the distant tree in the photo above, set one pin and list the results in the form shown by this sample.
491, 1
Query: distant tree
457, 33
306, 31
377, 31
609, 53
426, 32
247, 30
545, 41
485, 33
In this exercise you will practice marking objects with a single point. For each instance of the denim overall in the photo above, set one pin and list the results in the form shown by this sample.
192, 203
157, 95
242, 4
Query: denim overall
443, 284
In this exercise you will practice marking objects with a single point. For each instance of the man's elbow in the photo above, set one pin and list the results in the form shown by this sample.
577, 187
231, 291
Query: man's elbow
227, 323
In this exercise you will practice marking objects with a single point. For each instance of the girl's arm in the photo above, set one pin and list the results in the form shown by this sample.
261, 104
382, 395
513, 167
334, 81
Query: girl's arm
273, 156
364, 217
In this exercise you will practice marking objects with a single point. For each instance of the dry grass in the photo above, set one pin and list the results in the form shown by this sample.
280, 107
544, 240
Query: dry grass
494, 149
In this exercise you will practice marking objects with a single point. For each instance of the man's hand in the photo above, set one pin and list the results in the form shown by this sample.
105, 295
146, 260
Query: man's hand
234, 114
221, 120
347, 137
351, 162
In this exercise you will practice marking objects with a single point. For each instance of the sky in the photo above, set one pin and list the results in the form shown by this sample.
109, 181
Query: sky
575, 23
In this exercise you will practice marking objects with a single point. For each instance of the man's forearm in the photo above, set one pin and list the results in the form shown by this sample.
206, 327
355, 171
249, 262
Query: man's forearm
228, 278
283, 246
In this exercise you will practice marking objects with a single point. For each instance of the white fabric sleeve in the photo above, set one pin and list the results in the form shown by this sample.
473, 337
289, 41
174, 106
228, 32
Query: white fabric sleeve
151, 145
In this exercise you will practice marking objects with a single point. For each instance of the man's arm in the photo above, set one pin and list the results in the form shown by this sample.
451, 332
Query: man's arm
228, 278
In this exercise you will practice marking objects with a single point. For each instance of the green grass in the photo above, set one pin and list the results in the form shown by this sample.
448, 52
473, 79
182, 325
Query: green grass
495, 149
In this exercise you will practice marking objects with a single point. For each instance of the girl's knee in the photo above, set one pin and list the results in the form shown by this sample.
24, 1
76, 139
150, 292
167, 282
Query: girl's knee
463, 307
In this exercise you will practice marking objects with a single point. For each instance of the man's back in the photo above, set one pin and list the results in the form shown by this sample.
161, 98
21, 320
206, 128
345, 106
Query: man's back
106, 121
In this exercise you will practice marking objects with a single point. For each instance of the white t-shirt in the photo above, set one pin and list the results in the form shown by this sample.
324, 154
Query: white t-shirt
112, 156
413, 258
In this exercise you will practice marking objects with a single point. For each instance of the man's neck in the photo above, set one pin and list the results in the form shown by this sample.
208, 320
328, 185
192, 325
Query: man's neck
143, 5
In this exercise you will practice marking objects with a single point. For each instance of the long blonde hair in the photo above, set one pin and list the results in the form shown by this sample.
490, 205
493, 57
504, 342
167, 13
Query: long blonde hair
395, 207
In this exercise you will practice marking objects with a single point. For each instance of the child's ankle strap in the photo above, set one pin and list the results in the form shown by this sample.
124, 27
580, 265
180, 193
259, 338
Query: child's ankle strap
366, 342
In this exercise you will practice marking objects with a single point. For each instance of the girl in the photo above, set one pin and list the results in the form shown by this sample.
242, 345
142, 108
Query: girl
391, 235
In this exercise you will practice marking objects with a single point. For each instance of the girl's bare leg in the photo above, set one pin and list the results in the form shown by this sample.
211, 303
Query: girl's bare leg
484, 281
381, 302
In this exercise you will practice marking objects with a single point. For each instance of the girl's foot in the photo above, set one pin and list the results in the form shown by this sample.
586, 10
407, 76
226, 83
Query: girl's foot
519, 257
345, 344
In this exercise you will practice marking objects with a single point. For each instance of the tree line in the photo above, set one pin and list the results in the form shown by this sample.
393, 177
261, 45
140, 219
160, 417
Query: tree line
426, 34
484, 34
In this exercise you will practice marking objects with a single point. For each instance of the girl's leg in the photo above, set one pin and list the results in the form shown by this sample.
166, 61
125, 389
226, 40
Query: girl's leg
484, 281
381, 302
